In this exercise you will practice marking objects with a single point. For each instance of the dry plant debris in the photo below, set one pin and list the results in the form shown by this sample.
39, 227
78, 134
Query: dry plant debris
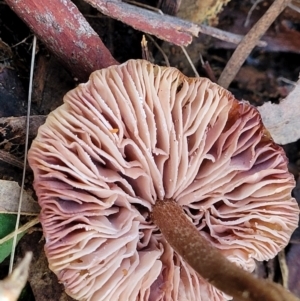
12, 285
138, 133
282, 120
81, 50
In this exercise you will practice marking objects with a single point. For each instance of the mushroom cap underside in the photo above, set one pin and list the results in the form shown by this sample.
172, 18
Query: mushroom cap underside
136, 133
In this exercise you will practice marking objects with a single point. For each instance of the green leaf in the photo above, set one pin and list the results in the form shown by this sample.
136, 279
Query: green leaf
7, 225
5, 248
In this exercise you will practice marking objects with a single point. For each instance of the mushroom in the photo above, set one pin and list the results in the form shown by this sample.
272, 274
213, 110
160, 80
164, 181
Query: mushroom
137, 133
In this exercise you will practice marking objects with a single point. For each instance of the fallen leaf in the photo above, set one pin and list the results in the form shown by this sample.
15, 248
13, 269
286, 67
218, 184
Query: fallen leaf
9, 199
283, 120
20, 230
7, 222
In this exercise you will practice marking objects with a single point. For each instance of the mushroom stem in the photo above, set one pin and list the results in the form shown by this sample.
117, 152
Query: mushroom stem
208, 262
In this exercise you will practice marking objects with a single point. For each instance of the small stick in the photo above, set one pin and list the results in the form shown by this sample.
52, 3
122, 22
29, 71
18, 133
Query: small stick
159, 49
168, 28
209, 72
11, 159
208, 261
225, 35
65, 31
190, 61
22, 229
294, 7
249, 41
251, 11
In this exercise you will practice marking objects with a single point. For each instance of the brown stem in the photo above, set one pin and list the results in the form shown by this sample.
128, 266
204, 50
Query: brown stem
208, 262
249, 41
64, 30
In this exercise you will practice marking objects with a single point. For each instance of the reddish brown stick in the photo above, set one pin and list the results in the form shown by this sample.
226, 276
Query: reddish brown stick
64, 30
168, 28
208, 262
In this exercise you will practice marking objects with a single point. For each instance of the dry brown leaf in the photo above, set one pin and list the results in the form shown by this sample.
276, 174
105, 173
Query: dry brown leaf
283, 120
9, 199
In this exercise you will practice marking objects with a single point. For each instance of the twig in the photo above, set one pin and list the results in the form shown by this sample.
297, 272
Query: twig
22, 229
294, 7
208, 262
167, 62
190, 61
249, 41
16, 126
225, 35
10, 159
168, 28
64, 30
172, 29
21, 42
209, 72
251, 10
182, 47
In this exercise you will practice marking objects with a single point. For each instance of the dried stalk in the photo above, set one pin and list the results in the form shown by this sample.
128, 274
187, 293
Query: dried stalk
208, 262
249, 41
22, 229
64, 30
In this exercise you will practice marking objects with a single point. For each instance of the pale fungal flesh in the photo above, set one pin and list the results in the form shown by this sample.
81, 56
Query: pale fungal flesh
135, 133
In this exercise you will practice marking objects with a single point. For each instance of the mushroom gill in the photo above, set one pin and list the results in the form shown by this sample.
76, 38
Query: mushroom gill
137, 133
